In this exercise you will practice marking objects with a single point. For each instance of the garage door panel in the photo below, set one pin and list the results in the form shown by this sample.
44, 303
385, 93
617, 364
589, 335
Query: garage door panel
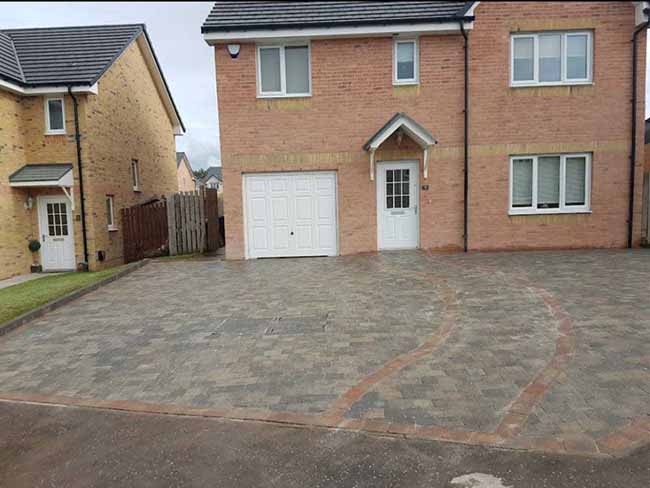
280, 209
291, 214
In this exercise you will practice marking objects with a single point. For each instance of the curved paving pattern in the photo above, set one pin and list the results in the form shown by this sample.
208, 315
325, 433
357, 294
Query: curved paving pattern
525, 350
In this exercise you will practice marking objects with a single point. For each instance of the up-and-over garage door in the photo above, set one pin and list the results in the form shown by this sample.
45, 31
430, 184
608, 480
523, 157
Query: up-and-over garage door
290, 214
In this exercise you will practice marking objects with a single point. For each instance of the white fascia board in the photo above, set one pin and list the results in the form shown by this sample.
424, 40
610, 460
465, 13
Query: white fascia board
639, 16
421, 139
328, 32
470, 11
46, 90
160, 84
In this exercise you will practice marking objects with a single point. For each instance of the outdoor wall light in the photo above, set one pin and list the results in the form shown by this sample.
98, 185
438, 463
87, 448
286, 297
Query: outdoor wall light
233, 50
29, 203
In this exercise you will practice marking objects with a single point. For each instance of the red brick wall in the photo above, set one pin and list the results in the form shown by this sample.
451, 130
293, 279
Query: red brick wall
353, 96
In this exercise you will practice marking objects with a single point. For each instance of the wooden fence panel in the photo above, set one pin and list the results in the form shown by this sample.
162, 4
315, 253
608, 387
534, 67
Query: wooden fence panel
212, 219
145, 230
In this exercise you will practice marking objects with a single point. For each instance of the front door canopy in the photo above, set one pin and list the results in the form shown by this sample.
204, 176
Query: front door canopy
45, 175
400, 121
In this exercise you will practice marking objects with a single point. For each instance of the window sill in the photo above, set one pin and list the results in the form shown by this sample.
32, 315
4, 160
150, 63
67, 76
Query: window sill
406, 83
541, 85
55, 133
292, 95
553, 211
112, 228
137, 190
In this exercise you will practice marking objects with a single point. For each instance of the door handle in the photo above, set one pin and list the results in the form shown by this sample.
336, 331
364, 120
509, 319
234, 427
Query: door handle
416, 210
291, 234
43, 237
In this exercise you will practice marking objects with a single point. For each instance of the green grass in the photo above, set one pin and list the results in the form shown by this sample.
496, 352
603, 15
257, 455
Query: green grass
23, 297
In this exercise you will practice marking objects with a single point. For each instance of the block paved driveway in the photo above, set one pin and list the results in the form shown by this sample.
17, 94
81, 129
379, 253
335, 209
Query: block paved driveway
539, 350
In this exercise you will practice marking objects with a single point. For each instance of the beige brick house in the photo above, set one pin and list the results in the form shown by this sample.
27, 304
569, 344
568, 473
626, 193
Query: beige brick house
434, 125
104, 84
184, 173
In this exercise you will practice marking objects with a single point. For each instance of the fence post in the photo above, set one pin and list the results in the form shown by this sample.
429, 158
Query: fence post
171, 225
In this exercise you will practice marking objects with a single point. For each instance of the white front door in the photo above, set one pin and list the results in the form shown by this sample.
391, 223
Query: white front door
57, 239
397, 205
290, 214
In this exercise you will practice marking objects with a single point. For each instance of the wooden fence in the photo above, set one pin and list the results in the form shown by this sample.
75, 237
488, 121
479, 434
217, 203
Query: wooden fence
184, 223
145, 230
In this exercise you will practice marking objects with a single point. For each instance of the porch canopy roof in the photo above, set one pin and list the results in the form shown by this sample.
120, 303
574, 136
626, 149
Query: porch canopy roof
33, 175
400, 122
44, 175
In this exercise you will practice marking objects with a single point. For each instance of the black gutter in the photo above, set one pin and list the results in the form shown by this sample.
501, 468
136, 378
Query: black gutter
77, 137
630, 211
465, 137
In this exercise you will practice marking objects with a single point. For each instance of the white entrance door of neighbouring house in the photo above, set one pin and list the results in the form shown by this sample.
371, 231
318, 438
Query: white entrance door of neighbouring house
290, 214
57, 239
397, 205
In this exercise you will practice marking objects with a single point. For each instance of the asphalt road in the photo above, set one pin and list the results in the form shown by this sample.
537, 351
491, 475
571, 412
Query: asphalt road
74, 447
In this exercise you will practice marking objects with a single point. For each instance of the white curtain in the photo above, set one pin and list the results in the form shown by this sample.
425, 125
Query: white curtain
575, 180
297, 61
522, 183
270, 69
548, 182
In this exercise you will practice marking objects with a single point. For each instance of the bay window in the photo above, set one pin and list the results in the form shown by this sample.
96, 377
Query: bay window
550, 184
551, 58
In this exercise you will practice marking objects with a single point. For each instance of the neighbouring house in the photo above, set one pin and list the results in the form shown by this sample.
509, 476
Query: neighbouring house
441, 125
186, 179
87, 127
213, 178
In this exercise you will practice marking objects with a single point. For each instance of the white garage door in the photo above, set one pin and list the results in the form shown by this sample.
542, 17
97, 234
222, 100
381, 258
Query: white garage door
291, 214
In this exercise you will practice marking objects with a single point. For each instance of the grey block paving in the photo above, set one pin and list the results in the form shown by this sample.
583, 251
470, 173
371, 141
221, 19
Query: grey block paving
295, 334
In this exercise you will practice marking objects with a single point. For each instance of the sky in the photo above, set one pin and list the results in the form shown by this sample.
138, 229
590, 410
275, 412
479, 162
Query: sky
175, 31
187, 61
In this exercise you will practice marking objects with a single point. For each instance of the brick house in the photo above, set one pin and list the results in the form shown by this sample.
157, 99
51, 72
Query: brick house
184, 173
436, 125
104, 84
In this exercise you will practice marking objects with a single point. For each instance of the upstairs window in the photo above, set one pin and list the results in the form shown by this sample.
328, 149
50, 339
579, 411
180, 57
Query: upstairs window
135, 174
283, 71
551, 58
54, 116
405, 62
550, 184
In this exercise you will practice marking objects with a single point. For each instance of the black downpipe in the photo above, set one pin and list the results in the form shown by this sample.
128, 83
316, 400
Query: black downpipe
630, 212
465, 138
77, 137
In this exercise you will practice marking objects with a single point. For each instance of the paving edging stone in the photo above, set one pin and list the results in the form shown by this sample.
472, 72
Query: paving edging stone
59, 302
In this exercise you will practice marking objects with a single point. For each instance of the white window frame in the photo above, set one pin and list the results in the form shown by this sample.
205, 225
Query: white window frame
283, 70
563, 208
416, 62
111, 224
135, 174
48, 129
564, 80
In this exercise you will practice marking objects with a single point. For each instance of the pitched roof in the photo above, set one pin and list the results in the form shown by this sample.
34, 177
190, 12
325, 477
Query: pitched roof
9, 66
213, 171
246, 15
67, 55
179, 158
40, 172
400, 121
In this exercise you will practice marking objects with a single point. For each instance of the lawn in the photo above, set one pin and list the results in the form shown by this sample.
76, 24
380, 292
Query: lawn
20, 298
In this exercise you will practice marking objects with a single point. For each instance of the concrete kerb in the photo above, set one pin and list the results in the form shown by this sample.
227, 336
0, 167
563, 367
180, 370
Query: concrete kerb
59, 302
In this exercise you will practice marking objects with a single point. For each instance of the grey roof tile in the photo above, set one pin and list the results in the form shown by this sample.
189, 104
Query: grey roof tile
213, 171
40, 172
246, 15
64, 55
9, 66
